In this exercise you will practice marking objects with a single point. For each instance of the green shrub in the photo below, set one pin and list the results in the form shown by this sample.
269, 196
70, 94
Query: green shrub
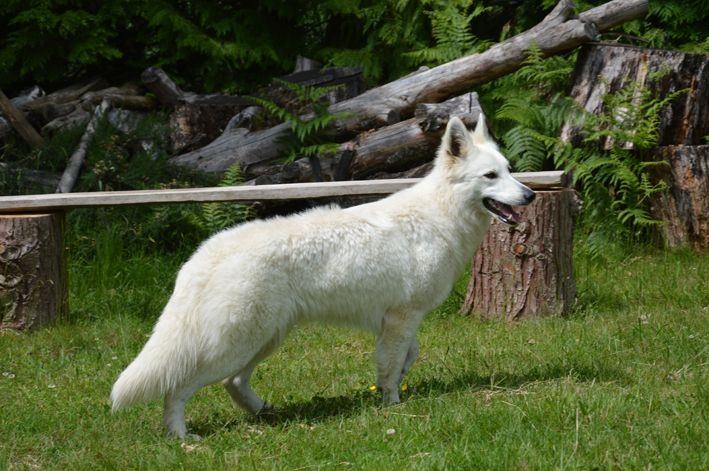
608, 167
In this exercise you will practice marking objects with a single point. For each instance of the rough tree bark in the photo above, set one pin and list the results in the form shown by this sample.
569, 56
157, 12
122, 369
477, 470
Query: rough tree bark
526, 270
195, 119
684, 208
683, 125
33, 289
397, 100
603, 68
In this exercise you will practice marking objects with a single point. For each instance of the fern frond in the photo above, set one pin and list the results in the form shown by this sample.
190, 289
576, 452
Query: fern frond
215, 217
306, 131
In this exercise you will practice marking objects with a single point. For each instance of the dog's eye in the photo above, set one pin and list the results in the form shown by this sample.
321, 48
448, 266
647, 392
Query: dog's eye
491, 175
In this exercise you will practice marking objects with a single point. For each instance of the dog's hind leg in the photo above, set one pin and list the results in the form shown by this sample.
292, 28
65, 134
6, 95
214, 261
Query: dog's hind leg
238, 385
174, 413
241, 393
175, 402
396, 351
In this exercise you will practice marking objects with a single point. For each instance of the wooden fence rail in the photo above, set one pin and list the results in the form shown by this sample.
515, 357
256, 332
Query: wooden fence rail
33, 279
63, 201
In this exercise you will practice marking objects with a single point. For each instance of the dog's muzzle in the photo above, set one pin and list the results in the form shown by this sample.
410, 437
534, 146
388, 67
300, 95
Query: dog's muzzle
506, 213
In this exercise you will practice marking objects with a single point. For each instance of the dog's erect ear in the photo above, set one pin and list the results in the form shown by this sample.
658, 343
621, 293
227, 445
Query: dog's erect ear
480, 135
456, 140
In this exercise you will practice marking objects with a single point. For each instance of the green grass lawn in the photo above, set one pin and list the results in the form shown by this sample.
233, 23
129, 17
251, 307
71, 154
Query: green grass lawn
621, 383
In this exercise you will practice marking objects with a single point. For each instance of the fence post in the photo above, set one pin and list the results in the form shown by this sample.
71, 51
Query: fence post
33, 278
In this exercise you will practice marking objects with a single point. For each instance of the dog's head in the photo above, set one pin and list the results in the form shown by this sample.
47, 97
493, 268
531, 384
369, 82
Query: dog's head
480, 173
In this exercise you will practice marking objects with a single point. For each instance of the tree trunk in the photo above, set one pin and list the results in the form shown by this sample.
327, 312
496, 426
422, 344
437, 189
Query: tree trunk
397, 100
604, 68
526, 270
33, 289
684, 208
683, 125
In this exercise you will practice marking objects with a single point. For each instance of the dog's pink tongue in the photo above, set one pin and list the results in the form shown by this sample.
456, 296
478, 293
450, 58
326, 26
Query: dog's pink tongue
513, 215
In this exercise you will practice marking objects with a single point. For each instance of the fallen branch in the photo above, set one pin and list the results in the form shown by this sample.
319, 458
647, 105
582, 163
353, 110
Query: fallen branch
71, 173
19, 122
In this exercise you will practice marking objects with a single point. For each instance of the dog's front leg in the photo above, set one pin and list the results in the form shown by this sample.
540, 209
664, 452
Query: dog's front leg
396, 350
411, 356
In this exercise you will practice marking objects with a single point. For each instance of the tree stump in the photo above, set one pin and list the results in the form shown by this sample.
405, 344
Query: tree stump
684, 208
604, 68
33, 289
526, 270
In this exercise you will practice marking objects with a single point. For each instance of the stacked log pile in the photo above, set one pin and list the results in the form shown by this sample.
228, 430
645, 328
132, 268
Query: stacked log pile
378, 117
388, 131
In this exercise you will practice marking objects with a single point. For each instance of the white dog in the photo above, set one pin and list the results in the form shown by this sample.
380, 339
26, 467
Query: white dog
379, 266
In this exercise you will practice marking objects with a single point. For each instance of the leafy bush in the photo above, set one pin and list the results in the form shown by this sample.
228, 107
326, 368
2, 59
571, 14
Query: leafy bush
608, 166
211, 46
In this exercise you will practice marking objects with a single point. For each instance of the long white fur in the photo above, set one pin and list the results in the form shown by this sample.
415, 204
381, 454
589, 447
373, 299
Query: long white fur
380, 266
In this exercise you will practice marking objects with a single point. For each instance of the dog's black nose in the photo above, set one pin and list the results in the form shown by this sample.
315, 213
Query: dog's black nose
529, 196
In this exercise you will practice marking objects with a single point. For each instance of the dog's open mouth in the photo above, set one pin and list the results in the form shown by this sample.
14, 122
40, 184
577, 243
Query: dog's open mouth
503, 212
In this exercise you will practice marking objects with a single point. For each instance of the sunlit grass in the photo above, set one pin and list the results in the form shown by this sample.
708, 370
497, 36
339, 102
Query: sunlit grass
620, 383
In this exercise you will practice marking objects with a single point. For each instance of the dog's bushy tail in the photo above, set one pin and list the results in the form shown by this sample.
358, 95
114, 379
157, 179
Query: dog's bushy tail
166, 361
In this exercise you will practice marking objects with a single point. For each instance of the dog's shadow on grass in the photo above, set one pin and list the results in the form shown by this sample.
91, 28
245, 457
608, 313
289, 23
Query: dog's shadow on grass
322, 409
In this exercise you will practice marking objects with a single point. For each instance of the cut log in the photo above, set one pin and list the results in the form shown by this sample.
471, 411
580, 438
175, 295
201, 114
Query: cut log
19, 101
26, 96
19, 122
65, 95
303, 64
76, 161
194, 124
249, 148
196, 120
170, 95
347, 80
33, 289
162, 86
77, 118
392, 149
684, 208
118, 98
526, 270
396, 101
44, 108
604, 68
